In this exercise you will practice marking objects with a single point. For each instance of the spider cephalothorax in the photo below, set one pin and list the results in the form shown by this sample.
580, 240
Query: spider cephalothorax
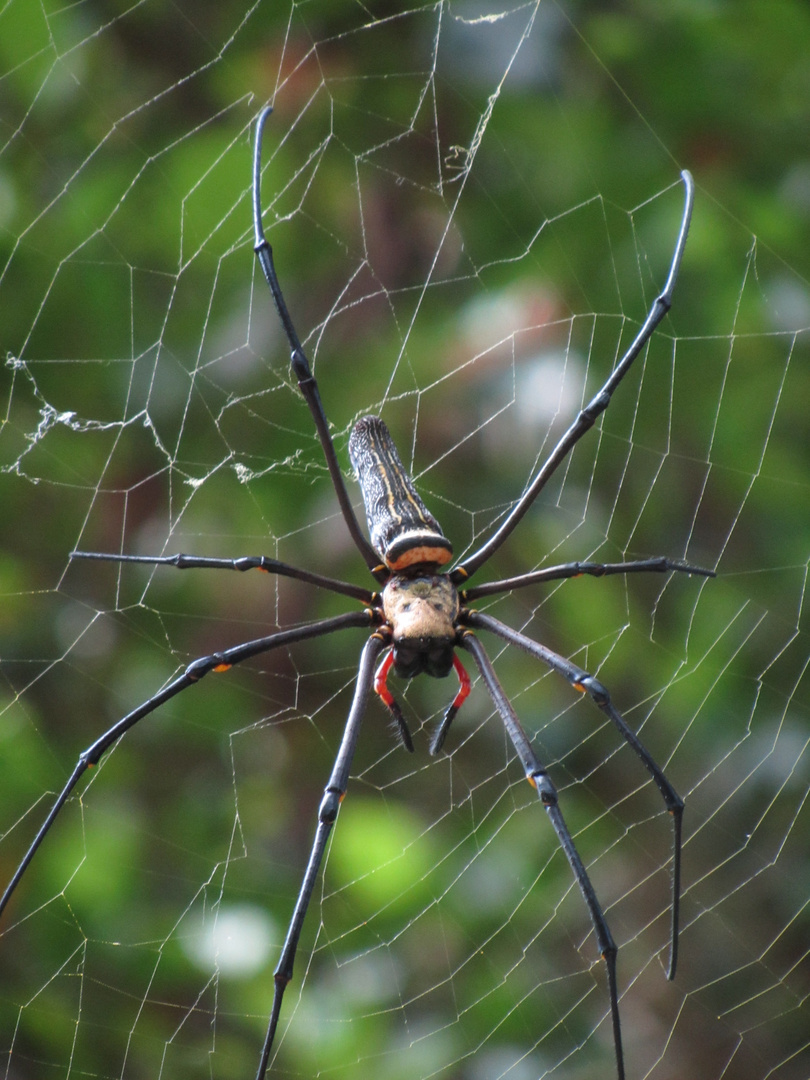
419, 616
421, 610
418, 620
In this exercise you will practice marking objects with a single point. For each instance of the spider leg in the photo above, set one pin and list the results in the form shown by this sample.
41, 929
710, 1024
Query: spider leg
586, 683
588, 416
196, 670
327, 814
299, 362
388, 699
437, 741
539, 779
246, 562
660, 564
390, 702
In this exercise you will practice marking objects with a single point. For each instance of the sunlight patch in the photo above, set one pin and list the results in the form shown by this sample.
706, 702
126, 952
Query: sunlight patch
236, 941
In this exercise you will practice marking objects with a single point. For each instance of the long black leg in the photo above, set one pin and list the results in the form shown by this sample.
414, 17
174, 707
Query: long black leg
246, 562
660, 565
330, 804
299, 362
594, 409
218, 661
538, 778
587, 684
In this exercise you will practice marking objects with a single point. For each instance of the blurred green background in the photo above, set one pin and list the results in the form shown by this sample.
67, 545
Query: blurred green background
472, 207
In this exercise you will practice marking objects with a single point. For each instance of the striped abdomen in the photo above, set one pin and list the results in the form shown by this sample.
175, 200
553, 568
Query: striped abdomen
403, 532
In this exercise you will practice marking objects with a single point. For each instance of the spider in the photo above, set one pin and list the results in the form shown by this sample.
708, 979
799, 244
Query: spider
418, 617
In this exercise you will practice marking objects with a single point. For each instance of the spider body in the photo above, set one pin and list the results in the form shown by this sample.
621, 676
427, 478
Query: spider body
419, 608
418, 619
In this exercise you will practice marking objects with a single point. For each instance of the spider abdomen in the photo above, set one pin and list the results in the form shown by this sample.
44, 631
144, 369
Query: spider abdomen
403, 531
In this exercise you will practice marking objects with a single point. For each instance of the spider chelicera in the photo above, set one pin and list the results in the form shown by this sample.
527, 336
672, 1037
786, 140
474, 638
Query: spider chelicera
418, 617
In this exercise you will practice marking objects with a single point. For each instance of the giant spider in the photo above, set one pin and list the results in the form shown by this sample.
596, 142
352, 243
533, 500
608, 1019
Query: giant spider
418, 617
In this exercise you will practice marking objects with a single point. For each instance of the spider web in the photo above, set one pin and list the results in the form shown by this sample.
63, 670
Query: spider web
472, 207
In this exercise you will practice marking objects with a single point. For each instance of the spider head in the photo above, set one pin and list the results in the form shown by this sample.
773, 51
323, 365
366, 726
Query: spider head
421, 610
